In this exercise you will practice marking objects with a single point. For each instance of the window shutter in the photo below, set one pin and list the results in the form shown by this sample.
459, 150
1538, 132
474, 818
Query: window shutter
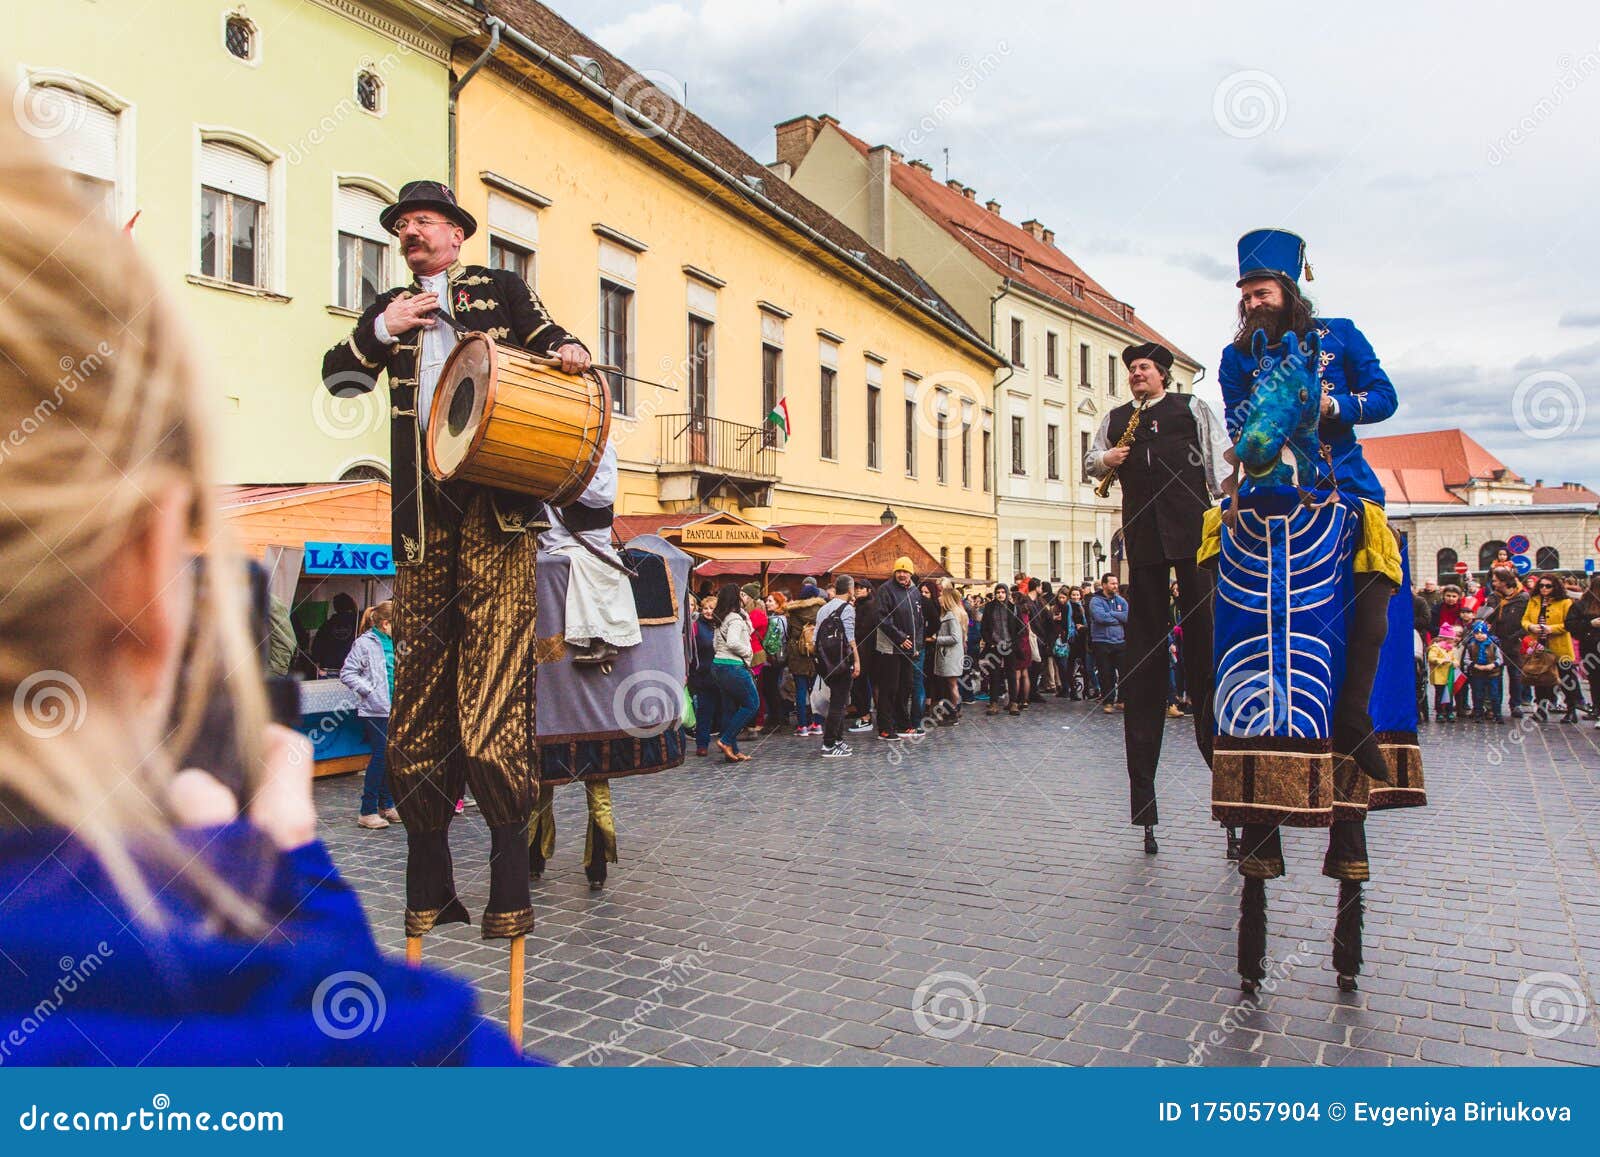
233, 170
91, 147
356, 212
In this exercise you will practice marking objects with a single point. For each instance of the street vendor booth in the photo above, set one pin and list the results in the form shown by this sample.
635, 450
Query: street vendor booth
317, 541
728, 547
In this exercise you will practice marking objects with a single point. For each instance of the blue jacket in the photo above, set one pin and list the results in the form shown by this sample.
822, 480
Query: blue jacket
1108, 619
88, 984
1351, 376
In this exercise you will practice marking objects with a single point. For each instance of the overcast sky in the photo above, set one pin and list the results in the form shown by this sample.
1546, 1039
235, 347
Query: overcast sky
1440, 159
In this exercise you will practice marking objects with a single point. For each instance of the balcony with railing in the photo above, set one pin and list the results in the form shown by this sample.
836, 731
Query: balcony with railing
703, 457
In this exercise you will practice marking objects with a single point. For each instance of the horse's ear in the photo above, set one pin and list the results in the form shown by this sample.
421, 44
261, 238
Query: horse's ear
1258, 345
1313, 348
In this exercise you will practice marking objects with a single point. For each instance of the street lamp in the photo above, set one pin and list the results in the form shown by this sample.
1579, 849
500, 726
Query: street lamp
888, 517
1099, 551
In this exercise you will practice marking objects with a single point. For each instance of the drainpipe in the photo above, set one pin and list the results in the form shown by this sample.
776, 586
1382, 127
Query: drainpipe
994, 442
494, 24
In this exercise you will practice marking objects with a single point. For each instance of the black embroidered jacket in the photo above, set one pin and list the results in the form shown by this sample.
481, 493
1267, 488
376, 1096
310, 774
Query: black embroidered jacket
495, 302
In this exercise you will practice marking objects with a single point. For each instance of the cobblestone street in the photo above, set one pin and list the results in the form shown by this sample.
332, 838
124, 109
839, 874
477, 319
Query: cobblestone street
978, 898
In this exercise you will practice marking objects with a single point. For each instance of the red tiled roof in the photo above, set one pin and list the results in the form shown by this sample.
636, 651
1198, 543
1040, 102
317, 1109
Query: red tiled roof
1547, 495
996, 242
249, 495
639, 92
1452, 453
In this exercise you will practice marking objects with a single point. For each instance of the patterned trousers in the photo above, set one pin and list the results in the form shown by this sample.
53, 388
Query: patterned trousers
463, 711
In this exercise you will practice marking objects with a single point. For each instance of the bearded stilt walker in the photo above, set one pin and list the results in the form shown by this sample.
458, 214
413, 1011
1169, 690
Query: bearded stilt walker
1315, 715
465, 599
1166, 451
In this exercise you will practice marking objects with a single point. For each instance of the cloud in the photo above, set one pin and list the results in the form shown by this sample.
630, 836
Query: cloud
1578, 319
1278, 161
1204, 265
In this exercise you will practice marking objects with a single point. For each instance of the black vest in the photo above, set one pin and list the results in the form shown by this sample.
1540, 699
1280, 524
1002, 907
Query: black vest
1163, 480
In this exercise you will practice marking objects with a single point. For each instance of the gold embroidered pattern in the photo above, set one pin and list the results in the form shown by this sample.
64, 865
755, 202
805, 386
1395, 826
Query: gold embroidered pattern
351, 342
483, 303
498, 333
411, 546
475, 279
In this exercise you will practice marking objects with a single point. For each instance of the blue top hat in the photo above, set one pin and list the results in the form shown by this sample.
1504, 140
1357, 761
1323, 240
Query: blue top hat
1269, 252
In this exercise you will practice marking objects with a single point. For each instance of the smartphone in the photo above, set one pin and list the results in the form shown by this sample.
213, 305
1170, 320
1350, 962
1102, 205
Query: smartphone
215, 748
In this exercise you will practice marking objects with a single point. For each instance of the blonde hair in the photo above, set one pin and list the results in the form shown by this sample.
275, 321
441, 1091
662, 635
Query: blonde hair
950, 601
99, 410
377, 613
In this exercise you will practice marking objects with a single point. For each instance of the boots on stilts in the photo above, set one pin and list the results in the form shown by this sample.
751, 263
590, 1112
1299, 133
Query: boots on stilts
1347, 928
1252, 936
595, 869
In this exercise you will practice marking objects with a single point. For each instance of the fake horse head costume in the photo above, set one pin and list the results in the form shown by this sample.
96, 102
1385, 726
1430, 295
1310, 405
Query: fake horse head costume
1314, 706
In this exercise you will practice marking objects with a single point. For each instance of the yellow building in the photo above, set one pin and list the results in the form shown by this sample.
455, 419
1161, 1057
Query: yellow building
671, 252
256, 142
1062, 332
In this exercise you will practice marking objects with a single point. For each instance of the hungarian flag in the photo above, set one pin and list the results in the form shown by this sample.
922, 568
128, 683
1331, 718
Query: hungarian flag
780, 416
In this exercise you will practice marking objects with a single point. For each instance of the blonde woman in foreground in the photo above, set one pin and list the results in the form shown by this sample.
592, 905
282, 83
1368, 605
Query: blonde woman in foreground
147, 914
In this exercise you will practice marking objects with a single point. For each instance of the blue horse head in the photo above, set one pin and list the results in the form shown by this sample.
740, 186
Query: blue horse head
1282, 411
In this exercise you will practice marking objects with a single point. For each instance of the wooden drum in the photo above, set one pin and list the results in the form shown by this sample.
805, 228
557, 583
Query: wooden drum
502, 417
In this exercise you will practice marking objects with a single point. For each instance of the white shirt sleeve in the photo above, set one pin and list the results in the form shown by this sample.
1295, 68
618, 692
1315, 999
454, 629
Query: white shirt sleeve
602, 488
1093, 461
1214, 444
380, 330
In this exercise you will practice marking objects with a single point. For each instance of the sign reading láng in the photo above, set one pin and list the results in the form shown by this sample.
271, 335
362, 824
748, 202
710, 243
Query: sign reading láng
361, 558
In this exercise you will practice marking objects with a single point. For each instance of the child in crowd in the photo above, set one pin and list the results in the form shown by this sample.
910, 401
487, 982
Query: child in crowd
1484, 665
1442, 673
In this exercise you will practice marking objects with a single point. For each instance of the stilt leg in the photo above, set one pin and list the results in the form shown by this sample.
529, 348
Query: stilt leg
518, 982
413, 950
1252, 935
1347, 934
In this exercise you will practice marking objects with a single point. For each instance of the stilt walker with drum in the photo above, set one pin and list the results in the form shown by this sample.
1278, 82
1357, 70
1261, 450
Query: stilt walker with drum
465, 600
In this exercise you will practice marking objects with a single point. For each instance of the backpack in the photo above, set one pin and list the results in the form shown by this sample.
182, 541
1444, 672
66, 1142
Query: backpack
807, 643
832, 646
772, 644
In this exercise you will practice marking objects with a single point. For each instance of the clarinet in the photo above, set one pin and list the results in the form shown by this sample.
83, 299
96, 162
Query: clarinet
1103, 490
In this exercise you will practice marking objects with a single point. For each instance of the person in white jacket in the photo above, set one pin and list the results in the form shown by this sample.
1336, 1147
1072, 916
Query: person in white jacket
369, 673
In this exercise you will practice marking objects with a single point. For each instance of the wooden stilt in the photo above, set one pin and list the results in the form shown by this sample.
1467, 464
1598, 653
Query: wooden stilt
413, 950
514, 1005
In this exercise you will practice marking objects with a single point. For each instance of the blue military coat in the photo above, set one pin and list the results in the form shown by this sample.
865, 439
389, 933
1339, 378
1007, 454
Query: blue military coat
1355, 381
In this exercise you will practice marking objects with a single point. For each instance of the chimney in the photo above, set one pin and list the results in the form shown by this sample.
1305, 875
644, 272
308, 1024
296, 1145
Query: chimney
919, 163
879, 160
970, 194
1035, 230
782, 169
1049, 237
1538, 482
953, 184
993, 206
795, 138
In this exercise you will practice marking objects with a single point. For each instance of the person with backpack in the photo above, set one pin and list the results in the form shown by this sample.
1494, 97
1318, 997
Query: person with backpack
755, 610
863, 690
368, 671
775, 642
838, 662
800, 653
702, 680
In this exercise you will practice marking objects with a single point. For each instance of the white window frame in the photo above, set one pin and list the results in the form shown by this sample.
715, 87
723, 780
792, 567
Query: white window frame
630, 359
378, 189
124, 194
254, 59
523, 235
277, 217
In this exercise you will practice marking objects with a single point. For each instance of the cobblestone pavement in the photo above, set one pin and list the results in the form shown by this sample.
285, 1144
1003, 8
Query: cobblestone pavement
978, 898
